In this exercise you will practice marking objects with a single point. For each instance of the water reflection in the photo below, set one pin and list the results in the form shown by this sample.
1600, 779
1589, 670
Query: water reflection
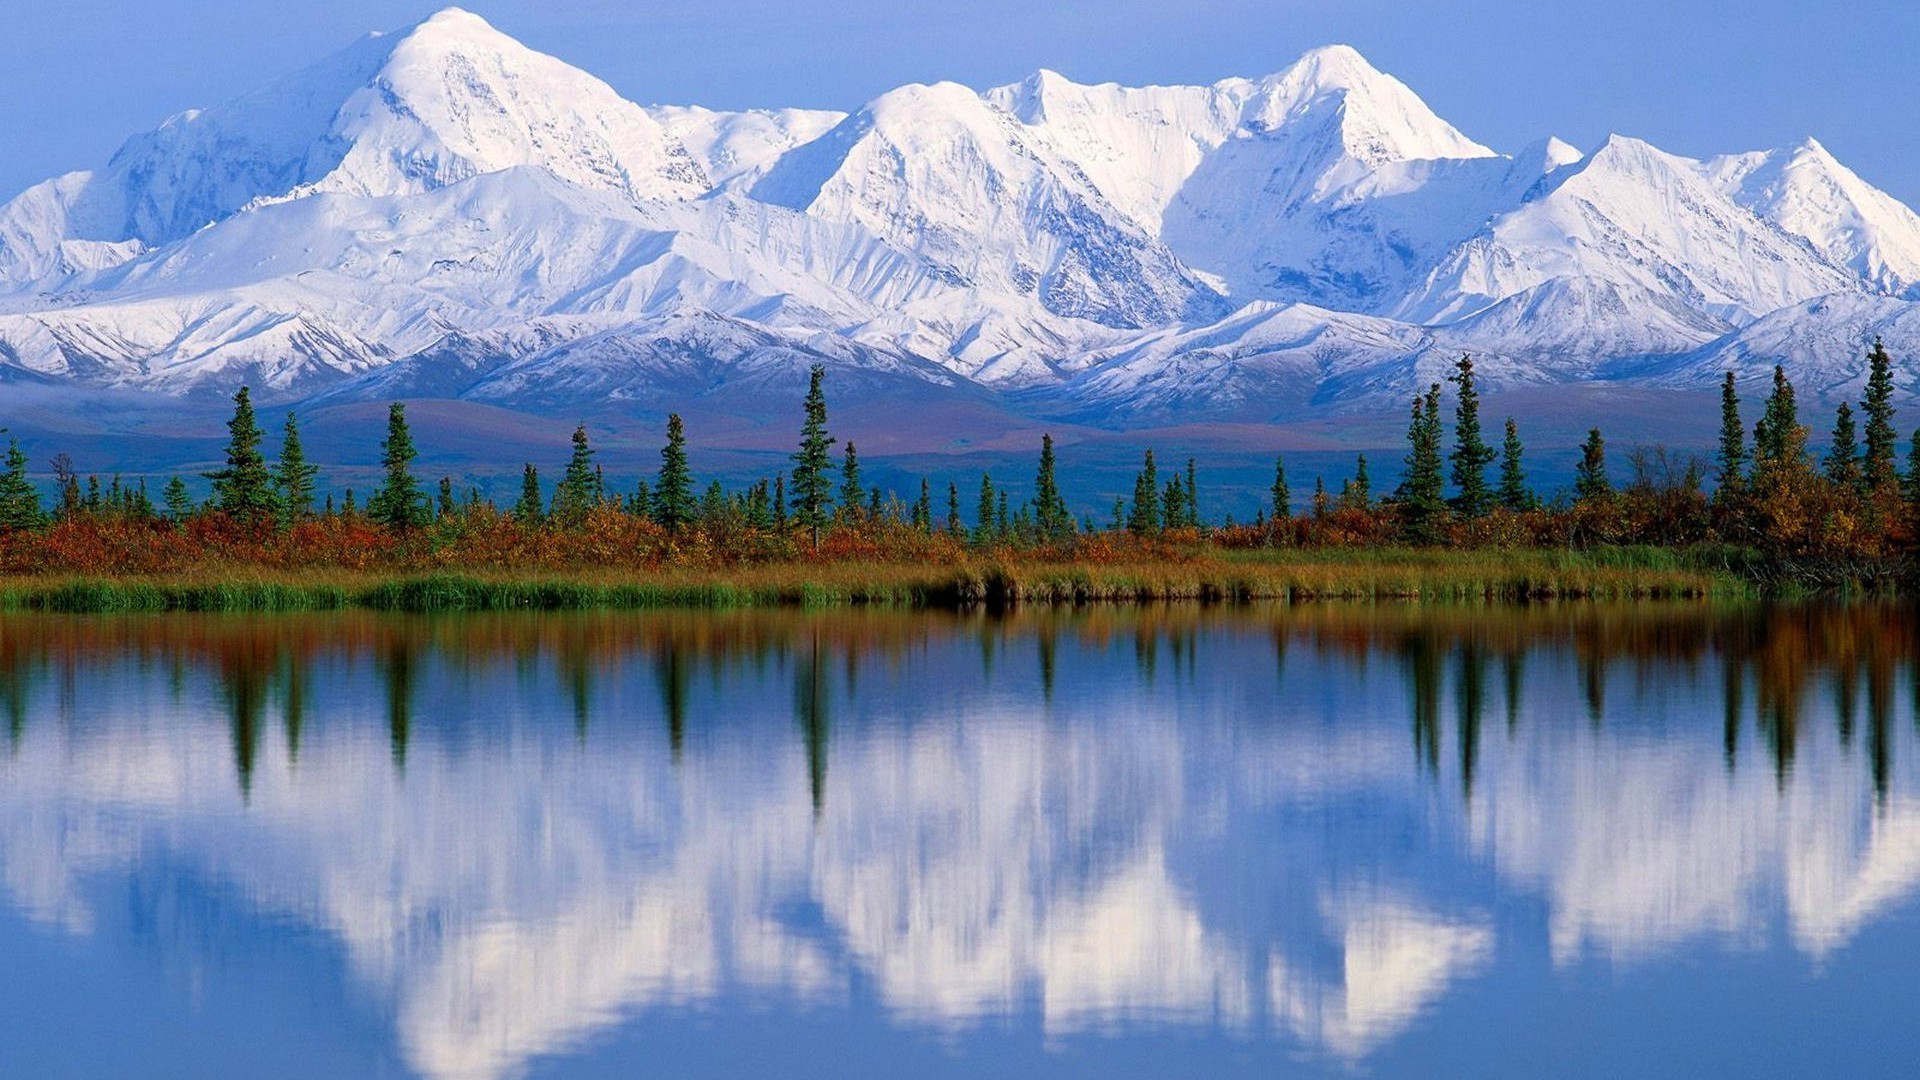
526, 831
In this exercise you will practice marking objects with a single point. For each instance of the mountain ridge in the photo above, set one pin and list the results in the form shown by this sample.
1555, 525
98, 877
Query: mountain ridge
1312, 239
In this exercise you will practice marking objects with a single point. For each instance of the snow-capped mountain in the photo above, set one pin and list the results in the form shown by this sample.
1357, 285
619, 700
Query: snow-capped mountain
444, 212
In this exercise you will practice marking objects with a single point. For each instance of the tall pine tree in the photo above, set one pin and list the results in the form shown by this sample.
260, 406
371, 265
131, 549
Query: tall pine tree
1590, 480
580, 484
532, 507
1514, 494
673, 504
1733, 438
1053, 519
1779, 442
19, 499
852, 495
244, 489
812, 492
1471, 455
1843, 456
1143, 519
399, 504
1878, 468
1422, 493
1282, 494
294, 477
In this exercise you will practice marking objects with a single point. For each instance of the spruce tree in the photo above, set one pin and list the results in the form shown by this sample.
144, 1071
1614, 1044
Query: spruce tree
812, 483
179, 501
1144, 518
1055, 521
1878, 469
983, 511
1513, 494
954, 526
532, 507
923, 508
1357, 494
19, 499
444, 506
294, 476
244, 489
399, 504
1590, 476
1422, 494
673, 491
1733, 438
1282, 495
780, 502
580, 485
1471, 455
1173, 504
1002, 521
851, 493
1779, 441
1843, 456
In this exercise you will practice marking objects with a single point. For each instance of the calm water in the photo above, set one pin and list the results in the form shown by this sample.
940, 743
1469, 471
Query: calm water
1579, 841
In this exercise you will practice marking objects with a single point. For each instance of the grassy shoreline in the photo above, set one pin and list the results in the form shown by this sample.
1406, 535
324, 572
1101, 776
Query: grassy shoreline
1212, 576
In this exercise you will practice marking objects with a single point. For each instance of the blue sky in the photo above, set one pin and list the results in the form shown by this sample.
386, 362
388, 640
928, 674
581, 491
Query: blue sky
1693, 76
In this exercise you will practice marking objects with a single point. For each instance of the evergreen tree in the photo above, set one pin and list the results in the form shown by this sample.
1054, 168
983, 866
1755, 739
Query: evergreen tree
444, 506
179, 501
1422, 493
532, 507
1055, 521
983, 511
1002, 522
1514, 493
1878, 469
875, 501
580, 484
780, 502
1843, 456
1321, 504
1471, 455
1144, 518
851, 493
1590, 476
294, 476
1357, 493
673, 491
19, 499
812, 484
1173, 504
1733, 437
1282, 495
923, 508
1779, 441
954, 527
399, 504
244, 489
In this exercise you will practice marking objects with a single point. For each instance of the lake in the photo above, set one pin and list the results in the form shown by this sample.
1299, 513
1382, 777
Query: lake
1389, 841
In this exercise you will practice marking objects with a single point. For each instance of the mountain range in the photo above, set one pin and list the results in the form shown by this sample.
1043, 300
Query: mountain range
444, 213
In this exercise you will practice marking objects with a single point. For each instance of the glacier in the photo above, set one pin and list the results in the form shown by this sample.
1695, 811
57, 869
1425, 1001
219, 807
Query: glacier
441, 212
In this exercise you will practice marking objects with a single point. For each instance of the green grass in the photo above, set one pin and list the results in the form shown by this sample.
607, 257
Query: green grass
1214, 576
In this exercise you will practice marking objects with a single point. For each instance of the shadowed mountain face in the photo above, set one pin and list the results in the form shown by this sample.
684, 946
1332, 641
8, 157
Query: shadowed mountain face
1336, 839
442, 213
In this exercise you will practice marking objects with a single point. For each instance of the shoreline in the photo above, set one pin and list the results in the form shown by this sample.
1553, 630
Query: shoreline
1404, 575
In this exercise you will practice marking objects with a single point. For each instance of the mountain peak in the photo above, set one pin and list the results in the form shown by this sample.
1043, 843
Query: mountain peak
1379, 119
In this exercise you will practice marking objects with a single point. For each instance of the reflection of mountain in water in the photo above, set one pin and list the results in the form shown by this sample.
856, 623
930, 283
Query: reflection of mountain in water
525, 830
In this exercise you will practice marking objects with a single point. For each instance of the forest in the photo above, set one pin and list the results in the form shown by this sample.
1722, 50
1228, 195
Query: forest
1763, 512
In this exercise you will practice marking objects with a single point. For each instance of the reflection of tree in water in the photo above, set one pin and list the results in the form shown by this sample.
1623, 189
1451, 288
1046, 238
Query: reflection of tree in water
1470, 695
397, 672
1422, 657
1772, 662
673, 673
245, 670
811, 708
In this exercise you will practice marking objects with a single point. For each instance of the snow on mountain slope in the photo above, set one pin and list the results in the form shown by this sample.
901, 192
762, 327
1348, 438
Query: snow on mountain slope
1823, 342
942, 172
1633, 216
736, 148
443, 211
393, 114
1809, 194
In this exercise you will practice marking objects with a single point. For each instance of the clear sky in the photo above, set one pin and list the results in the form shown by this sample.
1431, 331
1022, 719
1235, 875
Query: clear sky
1693, 76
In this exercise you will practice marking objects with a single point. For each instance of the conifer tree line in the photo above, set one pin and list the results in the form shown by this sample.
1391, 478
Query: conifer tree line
1456, 487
